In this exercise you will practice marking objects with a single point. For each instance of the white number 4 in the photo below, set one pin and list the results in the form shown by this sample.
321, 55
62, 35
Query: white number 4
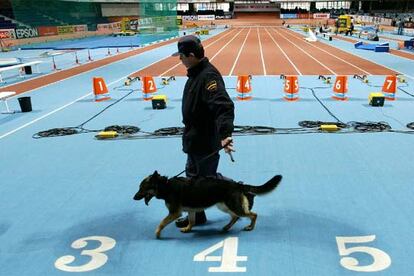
228, 257
381, 260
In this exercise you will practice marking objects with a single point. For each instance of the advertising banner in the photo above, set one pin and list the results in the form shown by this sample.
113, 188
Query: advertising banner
80, 28
304, 16
288, 16
47, 30
7, 33
102, 27
190, 17
321, 15
65, 30
26, 33
206, 17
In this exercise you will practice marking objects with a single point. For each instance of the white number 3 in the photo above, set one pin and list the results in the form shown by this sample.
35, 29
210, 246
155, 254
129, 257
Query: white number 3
381, 259
98, 259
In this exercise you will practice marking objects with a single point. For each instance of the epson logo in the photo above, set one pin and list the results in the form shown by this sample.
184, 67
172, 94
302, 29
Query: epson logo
26, 33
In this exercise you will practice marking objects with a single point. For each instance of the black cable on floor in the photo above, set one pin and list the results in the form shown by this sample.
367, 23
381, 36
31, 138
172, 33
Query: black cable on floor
56, 132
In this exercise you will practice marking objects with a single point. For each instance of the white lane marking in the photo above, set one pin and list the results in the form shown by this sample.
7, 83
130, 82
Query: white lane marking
179, 63
44, 116
323, 65
88, 71
311, 44
58, 109
261, 52
284, 53
238, 55
222, 48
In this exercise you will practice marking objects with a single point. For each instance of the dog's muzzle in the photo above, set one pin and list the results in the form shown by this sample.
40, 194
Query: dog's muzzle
147, 197
138, 196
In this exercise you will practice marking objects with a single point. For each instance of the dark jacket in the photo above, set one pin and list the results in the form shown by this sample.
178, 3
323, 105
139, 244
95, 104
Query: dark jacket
208, 111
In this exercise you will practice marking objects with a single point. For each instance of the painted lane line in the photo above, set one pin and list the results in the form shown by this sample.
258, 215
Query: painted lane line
78, 74
64, 106
222, 48
366, 72
240, 50
392, 69
284, 53
179, 63
261, 52
323, 65
44, 116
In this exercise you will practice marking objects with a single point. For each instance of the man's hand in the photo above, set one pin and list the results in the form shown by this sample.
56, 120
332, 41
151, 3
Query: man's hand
227, 144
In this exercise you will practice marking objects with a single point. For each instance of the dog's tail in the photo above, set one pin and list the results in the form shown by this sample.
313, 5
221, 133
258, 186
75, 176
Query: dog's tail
265, 188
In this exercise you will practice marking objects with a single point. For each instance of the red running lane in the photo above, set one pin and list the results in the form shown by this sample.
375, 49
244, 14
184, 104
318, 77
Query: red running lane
214, 53
169, 66
276, 62
250, 60
225, 59
39, 82
306, 64
355, 65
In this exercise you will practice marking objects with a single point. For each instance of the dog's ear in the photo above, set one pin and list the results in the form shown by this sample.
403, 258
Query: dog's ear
155, 173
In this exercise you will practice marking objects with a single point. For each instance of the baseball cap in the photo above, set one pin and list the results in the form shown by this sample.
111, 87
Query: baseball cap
188, 44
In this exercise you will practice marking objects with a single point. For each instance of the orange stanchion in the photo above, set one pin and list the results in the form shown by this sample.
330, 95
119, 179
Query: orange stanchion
340, 88
100, 90
148, 87
390, 87
244, 88
291, 88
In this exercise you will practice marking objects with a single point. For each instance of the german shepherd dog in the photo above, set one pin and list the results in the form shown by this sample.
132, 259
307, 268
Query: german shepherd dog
196, 194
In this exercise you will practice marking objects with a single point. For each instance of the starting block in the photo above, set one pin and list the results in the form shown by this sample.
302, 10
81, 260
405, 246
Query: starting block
325, 79
362, 78
326, 36
376, 99
166, 81
159, 102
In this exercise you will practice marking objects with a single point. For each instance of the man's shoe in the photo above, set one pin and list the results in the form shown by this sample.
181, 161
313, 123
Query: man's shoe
200, 218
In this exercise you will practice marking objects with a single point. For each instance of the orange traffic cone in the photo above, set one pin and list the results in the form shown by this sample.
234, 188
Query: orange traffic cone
148, 87
244, 88
340, 88
100, 90
291, 88
390, 87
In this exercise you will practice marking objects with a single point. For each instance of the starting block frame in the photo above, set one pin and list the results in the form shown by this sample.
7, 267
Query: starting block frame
3, 97
326, 36
20, 67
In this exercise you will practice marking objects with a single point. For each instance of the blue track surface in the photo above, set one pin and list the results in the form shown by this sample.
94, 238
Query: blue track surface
58, 190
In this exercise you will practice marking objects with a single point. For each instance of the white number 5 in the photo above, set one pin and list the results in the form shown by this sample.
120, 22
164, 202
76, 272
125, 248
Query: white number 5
98, 259
381, 259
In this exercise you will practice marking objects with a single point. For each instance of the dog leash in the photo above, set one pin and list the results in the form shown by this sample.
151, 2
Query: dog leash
210, 155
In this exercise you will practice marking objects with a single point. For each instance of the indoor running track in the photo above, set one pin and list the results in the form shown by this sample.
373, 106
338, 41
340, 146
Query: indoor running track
343, 207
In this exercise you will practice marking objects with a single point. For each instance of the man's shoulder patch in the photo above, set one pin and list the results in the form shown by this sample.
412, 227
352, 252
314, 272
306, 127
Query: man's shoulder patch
211, 85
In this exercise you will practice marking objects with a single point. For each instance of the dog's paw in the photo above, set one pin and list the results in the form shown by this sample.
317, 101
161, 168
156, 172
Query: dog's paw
248, 228
158, 234
185, 229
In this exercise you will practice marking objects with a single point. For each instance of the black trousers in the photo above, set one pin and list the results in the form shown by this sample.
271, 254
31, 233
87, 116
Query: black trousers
206, 168
196, 166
